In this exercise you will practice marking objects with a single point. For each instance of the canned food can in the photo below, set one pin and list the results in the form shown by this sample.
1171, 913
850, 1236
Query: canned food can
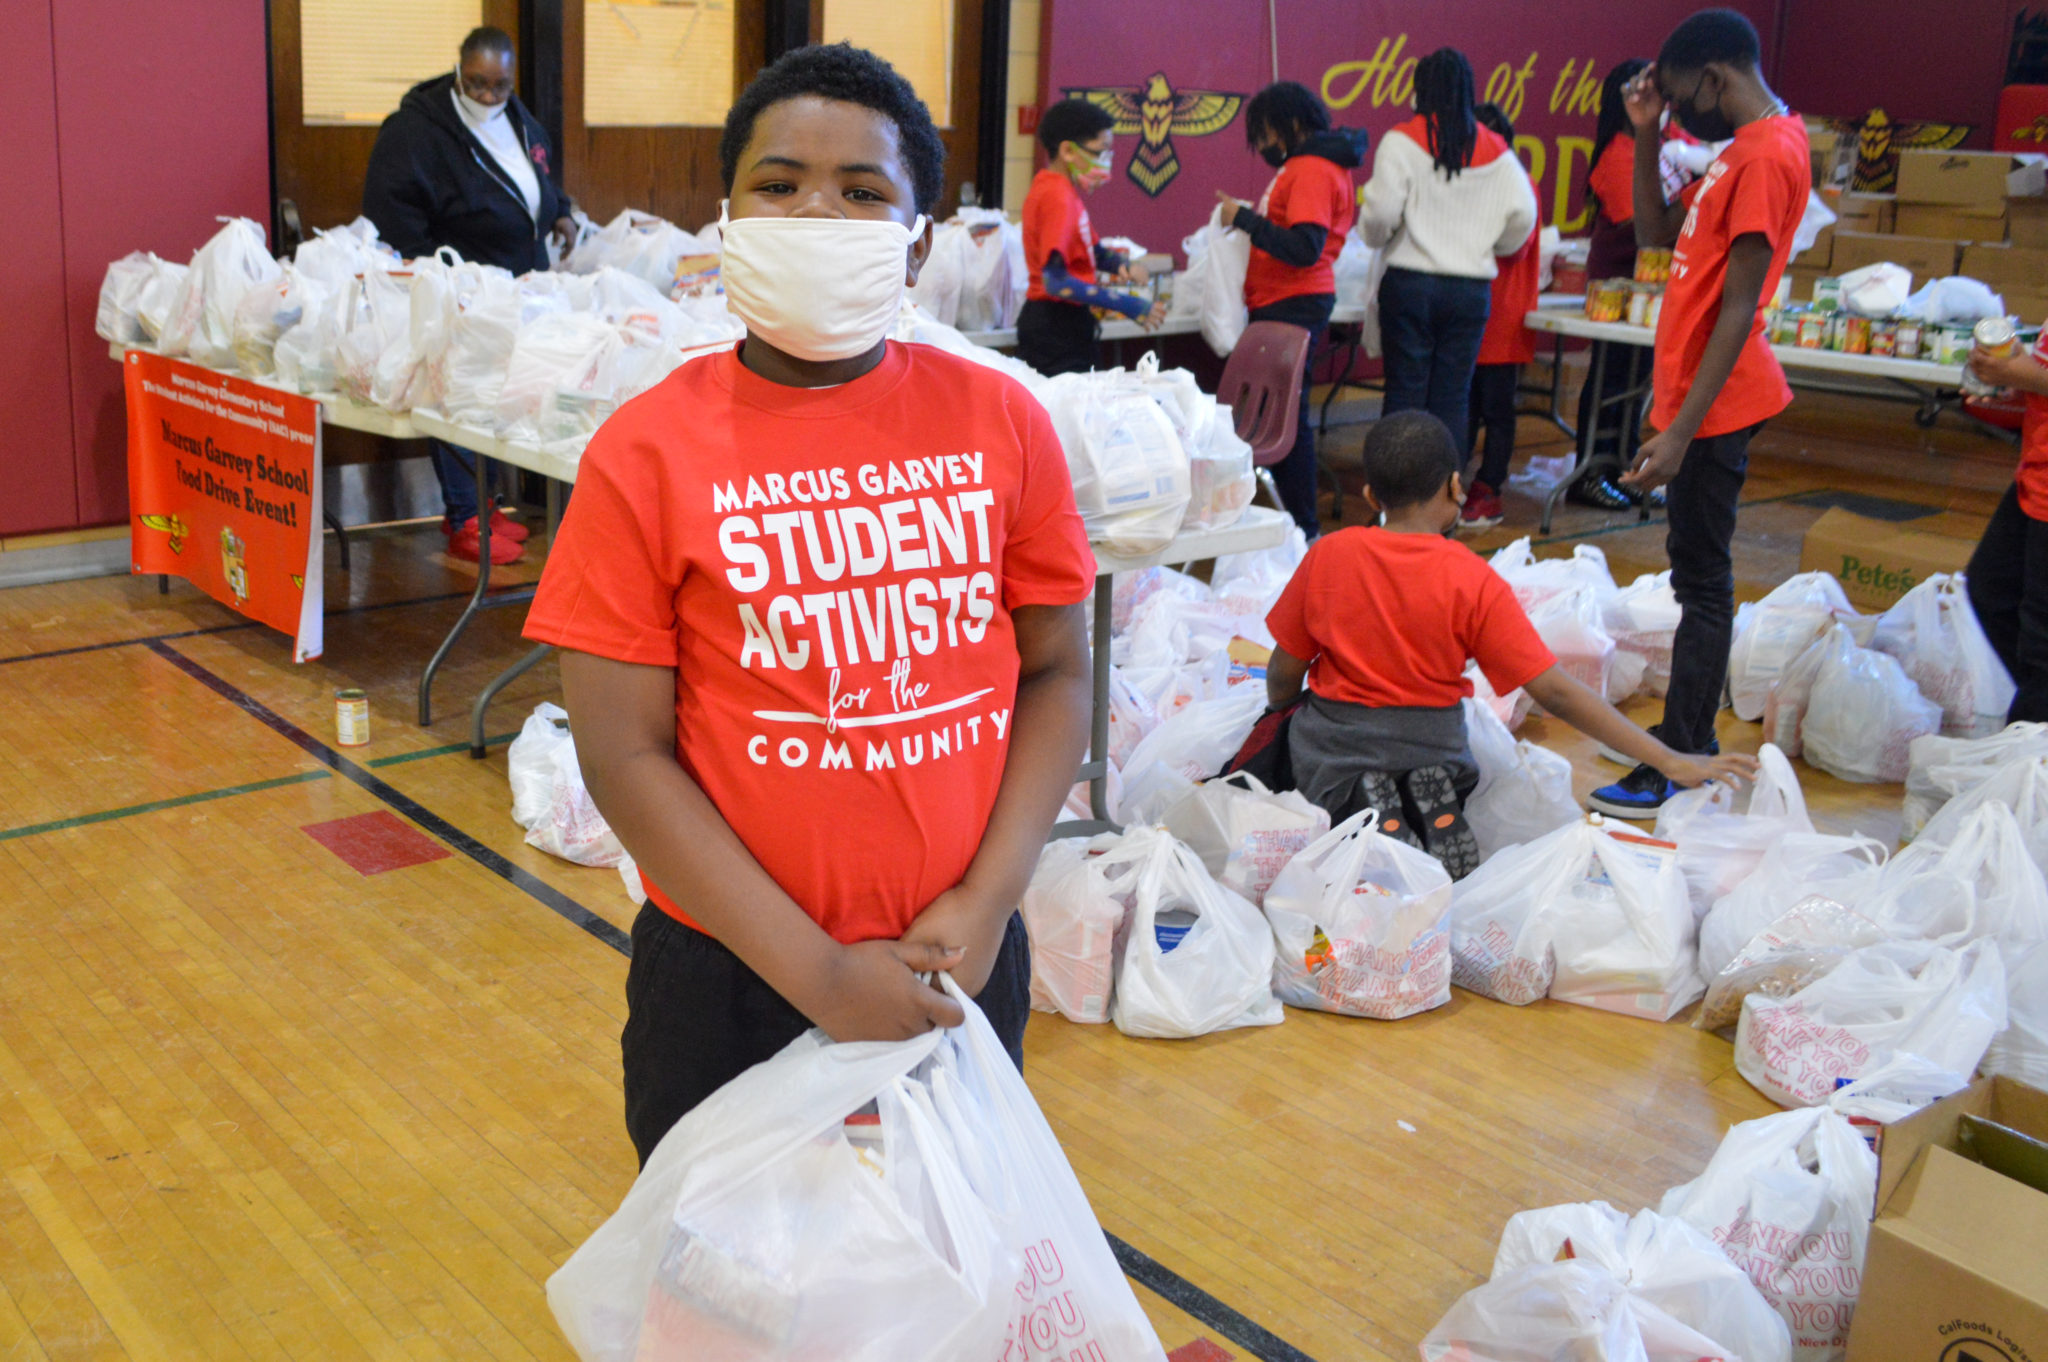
351, 718
1607, 301
1813, 331
1855, 335
1996, 336
1653, 266
1827, 294
1884, 339
1656, 309
1785, 326
1953, 346
1639, 305
1907, 345
1838, 331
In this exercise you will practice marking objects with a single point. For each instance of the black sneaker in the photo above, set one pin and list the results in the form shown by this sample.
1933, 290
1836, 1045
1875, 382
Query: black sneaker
1621, 758
1638, 796
1600, 492
1377, 791
1655, 498
1438, 815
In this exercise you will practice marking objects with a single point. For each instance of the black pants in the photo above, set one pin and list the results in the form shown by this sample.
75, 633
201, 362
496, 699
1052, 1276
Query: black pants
1430, 329
697, 1018
1055, 337
1495, 390
1699, 539
1295, 475
2008, 580
1618, 430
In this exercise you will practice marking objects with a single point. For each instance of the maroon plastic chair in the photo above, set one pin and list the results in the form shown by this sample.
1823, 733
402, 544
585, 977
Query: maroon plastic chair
1262, 386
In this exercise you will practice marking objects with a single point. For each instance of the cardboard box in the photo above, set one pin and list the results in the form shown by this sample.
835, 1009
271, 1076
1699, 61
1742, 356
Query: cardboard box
1878, 561
2026, 222
1971, 225
1926, 257
1958, 1261
1802, 283
2006, 267
1960, 177
1856, 212
1820, 255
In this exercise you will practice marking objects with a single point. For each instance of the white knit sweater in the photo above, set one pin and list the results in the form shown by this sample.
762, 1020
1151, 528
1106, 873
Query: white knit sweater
1440, 224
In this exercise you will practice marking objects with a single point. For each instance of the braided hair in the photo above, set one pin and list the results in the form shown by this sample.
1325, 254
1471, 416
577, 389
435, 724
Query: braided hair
1443, 96
1613, 115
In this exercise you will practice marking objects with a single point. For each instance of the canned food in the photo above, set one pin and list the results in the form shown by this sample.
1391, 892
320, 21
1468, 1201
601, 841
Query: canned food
1907, 345
1855, 335
1884, 339
1996, 336
1827, 295
1656, 308
1951, 346
1653, 266
1639, 296
1813, 331
1785, 326
1837, 331
1607, 301
351, 718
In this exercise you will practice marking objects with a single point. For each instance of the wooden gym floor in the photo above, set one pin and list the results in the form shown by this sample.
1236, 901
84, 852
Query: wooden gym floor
354, 1092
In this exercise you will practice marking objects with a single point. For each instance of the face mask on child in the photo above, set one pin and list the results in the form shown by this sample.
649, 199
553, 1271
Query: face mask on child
816, 288
1095, 173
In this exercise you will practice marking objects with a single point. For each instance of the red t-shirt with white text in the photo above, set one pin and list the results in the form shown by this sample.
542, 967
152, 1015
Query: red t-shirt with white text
1388, 619
1307, 189
831, 573
1055, 219
1759, 184
2033, 471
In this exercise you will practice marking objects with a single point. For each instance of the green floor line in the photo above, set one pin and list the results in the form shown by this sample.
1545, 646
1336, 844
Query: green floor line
448, 750
1657, 520
155, 806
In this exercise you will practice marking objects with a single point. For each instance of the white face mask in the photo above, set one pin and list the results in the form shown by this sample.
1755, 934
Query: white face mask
816, 288
476, 112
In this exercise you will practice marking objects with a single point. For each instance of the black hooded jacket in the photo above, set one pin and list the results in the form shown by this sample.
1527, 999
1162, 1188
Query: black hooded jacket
1302, 244
431, 183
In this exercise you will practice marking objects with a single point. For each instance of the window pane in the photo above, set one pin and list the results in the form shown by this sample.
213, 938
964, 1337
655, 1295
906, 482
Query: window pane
657, 62
359, 57
915, 35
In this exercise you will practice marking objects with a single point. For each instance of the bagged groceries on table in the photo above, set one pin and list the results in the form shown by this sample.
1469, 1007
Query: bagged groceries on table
765, 1219
1863, 717
1718, 848
377, 316
1077, 901
993, 273
562, 369
1979, 884
200, 325
1789, 1199
1586, 1282
165, 287
1221, 482
1774, 631
1189, 745
1939, 769
488, 315
1876, 290
1194, 957
1798, 865
642, 245
1211, 289
118, 318
1808, 941
266, 312
1895, 997
1362, 925
2022, 1050
1524, 791
549, 798
1243, 831
1587, 914
1642, 618
1934, 634
1131, 475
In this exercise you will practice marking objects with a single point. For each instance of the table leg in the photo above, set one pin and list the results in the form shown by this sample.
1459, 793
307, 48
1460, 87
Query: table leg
1096, 769
476, 597
490, 693
340, 535
1596, 375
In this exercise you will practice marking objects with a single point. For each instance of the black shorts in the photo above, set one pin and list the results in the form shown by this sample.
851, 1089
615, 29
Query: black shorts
697, 1017
1056, 338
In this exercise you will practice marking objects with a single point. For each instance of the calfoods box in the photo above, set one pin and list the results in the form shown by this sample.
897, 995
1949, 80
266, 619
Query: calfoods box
1957, 1269
1878, 561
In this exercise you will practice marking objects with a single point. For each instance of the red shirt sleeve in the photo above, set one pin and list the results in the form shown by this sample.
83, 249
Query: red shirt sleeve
1288, 619
1046, 559
1613, 180
1051, 221
1503, 642
609, 588
1762, 194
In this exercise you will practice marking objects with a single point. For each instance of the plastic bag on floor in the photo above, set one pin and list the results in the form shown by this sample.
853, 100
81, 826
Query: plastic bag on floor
1250, 582
1719, 848
1568, 622
1891, 1092
1642, 617
1188, 747
1939, 769
1362, 925
1863, 717
1130, 590
1131, 476
2022, 1050
1524, 791
1535, 580
1798, 865
1791, 695
1980, 884
1802, 946
1078, 899
1934, 634
121, 299
765, 1218
1195, 957
1211, 288
201, 322
1899, 996
2021, 788
1511, 709
1244, 832
1789, 1199
549, 798
1776, 630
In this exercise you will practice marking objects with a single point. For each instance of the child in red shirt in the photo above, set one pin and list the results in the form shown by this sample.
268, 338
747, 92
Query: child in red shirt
1716, 379
2008, 576
1504, 347
819, 601
1380, 623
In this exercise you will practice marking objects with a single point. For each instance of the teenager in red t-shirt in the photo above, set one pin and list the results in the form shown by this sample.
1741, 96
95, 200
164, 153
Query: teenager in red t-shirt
1716, 379
1056, 329
1380, 623
2008, 576
819, 601
1297, 232
1504, 347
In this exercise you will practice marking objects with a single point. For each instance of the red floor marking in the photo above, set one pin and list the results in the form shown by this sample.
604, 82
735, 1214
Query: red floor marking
1201, 1350
372, 843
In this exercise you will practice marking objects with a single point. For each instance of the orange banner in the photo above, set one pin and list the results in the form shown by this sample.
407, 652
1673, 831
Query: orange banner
224, 489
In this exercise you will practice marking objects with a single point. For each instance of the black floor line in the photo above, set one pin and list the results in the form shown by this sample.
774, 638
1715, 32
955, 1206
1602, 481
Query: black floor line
1138, 1266
461, 841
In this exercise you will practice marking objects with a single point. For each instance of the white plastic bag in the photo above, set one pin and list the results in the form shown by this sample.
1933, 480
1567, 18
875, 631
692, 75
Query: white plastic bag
1935, 635
1898, 996
1132, 479
1940, 769
121, 298
1813, 936
201, 324
1536, 580
375, 318
2022, 1050
558, 357
1362, 925
1718, 848
1979, 884
1073, 909
1863, 717
1569, 624
549, 798
1524, 791
1795, 866
1195, 957
938, 285
765, 1218
1244, 832
1791, 695
1789, 1199
1188, 746
1952, 301
267, 312
1213, 282
2021, 787
153, 304
1877, 290
1774, 631
1642, 617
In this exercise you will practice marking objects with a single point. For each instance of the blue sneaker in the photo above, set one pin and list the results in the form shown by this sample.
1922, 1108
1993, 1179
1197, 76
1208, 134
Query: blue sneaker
1637, 796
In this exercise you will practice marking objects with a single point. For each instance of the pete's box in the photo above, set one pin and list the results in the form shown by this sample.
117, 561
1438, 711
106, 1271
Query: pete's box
1958, 1261
1878, 561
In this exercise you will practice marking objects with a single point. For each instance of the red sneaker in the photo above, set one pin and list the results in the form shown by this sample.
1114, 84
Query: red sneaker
1482, 509
506, 527
465, 542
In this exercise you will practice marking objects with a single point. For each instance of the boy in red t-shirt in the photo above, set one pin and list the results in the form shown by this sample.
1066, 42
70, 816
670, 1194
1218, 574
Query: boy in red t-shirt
1504, 347
1716, 379
1056, 329
2008, 576
1380, 623
819, 601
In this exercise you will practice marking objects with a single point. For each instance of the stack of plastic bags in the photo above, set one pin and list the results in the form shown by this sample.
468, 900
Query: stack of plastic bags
975, 276
1618, 641
549, 798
